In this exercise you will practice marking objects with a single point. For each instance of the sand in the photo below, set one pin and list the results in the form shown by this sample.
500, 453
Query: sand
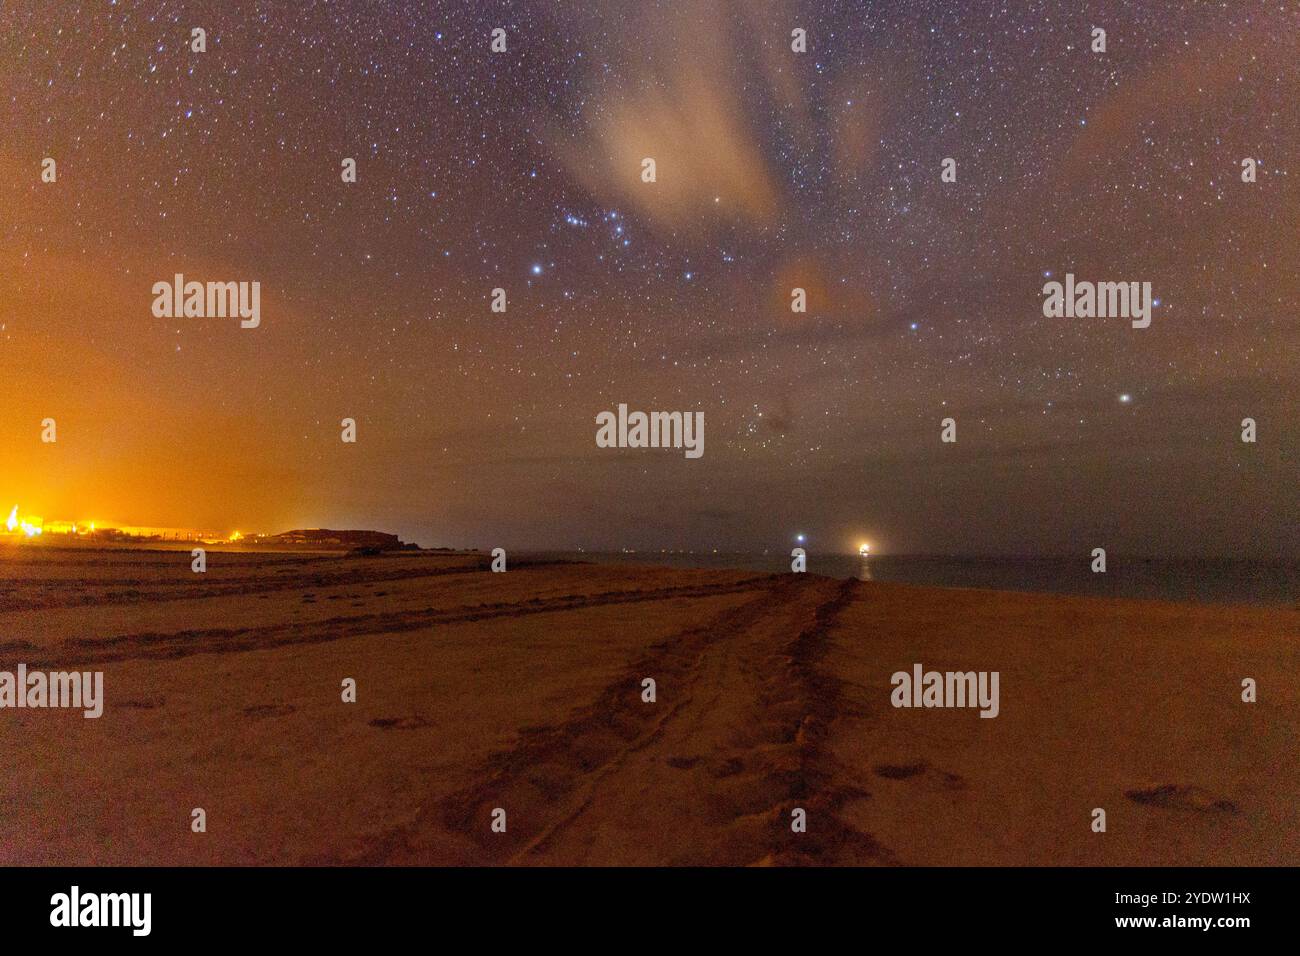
523, 691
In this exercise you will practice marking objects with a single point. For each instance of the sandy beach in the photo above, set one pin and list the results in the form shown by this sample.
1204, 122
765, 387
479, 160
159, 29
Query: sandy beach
523, 691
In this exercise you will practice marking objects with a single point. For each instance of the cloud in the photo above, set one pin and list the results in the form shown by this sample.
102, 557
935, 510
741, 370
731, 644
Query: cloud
678, 98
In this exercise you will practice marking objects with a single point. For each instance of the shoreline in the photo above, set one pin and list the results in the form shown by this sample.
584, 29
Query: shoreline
1205, 581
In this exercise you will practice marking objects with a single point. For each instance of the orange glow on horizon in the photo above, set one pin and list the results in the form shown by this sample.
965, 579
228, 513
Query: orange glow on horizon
33, 526
29, 526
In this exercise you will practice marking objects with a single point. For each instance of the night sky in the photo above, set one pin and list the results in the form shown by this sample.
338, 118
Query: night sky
775, 169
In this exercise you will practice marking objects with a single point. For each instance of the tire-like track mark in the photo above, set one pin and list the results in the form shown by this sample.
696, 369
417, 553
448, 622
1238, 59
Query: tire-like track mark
813, 783
547, 778
178, 644
156, 592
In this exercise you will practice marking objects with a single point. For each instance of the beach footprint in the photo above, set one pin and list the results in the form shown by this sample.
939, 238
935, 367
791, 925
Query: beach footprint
143, 703
909, 770
262, 711
401, 723
1171, 796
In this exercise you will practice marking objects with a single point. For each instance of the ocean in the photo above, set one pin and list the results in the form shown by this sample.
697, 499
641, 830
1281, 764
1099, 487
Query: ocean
1213, 581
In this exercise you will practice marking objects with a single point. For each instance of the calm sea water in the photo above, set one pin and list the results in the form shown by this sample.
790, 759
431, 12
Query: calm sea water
1208, 581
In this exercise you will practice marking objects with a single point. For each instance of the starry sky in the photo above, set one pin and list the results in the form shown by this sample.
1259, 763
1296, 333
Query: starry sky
521, 170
